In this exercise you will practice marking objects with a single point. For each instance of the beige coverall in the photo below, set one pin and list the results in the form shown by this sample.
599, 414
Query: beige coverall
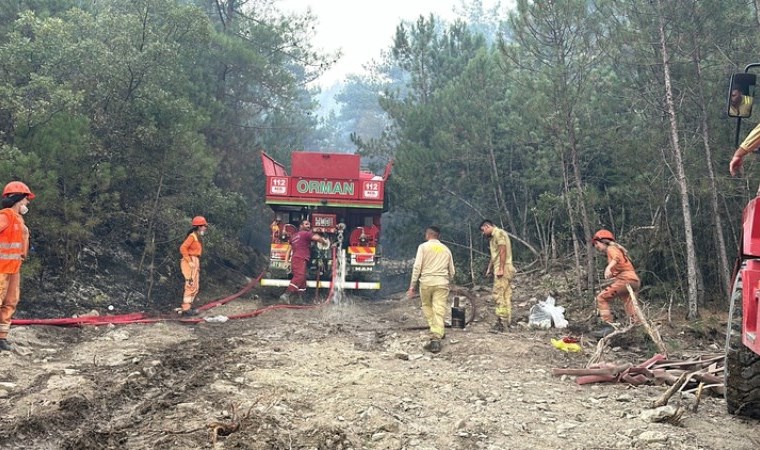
434, 269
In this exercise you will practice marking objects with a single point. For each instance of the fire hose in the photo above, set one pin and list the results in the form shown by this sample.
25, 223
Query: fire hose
134, 318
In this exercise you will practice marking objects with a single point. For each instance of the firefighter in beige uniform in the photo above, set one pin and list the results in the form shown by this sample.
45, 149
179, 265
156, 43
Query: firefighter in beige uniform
434, 270
503, 271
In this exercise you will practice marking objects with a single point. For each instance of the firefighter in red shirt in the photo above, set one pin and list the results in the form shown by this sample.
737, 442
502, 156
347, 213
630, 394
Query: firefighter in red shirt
299, 259
14, 246
191, 250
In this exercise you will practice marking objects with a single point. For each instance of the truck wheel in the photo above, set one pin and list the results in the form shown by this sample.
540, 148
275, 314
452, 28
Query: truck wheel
742, 366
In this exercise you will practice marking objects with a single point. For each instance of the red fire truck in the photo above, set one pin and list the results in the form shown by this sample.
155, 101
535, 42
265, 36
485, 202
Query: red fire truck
742, 366
342, 202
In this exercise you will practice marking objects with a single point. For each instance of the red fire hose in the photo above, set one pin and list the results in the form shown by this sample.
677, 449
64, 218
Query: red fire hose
143, 318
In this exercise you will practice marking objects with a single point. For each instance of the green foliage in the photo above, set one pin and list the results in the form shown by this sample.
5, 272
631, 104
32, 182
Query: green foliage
573, 90
128, 118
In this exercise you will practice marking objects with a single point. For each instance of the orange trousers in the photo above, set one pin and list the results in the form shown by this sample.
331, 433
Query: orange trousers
618, 289
10, 292
192, 273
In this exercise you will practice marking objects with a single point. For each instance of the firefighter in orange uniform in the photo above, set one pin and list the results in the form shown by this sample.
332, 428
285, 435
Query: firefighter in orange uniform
620, 268
190, 264
14, 246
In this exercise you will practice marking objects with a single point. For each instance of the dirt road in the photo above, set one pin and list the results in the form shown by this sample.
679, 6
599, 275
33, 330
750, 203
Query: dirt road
336, 377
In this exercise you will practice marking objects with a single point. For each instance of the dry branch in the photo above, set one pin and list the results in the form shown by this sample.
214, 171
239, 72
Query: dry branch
652, 331
602, 344
663, 400
699, 396
610, 370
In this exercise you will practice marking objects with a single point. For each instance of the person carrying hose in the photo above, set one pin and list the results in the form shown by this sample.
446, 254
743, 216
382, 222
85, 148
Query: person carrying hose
620, 269
190, 265
14, 246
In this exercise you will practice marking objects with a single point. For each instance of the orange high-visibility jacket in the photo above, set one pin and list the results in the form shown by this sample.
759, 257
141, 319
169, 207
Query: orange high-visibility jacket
191, 247
622, 263
11, 241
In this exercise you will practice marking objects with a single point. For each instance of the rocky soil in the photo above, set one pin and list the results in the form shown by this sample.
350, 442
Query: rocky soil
341, 376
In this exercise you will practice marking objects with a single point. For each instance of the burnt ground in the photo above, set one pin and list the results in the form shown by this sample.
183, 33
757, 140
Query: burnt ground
340, 376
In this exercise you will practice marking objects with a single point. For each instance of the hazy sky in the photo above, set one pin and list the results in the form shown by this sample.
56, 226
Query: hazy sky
362, 28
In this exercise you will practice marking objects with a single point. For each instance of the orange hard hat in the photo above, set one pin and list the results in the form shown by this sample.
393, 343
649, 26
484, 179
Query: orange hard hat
17, 187
199, 221
604, 234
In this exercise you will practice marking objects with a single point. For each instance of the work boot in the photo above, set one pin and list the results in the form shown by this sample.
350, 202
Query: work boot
603, 331
285, 298
497, 327
189, 312
5, 346
434, 346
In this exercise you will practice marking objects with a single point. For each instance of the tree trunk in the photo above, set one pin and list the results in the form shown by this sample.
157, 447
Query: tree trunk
498, 192
725, 274
691, 258
472, 257
571, 217
585, 222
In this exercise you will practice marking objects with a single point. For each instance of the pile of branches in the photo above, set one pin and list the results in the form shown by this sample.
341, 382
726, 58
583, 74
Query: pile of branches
692, 375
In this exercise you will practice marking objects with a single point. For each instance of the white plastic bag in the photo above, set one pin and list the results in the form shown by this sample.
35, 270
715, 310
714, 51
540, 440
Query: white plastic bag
545, 313
539, 318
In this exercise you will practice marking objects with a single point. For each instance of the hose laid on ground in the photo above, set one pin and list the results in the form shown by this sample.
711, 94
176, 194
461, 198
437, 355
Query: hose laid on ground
260, 311
132, 318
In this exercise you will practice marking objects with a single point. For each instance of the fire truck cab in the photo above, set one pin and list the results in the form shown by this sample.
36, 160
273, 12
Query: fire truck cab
341, 201
742, 365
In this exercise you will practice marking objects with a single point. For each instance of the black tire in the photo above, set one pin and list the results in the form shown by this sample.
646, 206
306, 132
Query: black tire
742, 366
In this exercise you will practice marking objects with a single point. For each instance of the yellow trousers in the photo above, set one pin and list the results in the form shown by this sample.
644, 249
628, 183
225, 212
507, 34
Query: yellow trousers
435, 300
502, 295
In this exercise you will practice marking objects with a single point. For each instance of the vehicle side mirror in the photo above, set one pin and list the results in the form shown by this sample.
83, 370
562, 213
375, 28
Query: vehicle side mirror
741, 94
